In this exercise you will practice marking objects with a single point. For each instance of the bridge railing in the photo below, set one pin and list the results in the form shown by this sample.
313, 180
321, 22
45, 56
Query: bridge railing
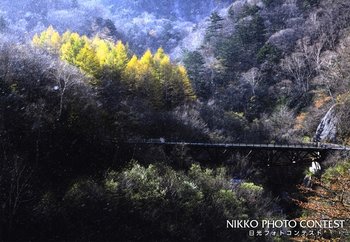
312, 145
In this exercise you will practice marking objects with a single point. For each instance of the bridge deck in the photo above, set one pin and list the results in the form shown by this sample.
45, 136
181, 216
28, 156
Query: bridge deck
304, 146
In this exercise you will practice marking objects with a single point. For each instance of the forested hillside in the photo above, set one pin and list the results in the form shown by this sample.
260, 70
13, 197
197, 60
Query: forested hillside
81, 80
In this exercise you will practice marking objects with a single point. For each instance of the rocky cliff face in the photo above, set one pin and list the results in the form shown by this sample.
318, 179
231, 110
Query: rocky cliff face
327, 129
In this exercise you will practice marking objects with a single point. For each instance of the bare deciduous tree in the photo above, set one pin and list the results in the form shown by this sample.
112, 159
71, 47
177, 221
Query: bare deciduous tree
253, 77
298, 67
15, 178
65, 76
280, 124
335, 68
312, 51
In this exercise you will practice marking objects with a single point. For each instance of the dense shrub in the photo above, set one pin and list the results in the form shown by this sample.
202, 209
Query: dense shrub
155, 203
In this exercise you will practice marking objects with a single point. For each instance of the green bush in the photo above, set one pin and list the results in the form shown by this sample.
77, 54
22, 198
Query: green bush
150, 203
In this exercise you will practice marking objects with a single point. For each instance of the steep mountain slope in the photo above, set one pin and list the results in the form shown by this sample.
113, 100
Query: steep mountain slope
144, 24
272, 61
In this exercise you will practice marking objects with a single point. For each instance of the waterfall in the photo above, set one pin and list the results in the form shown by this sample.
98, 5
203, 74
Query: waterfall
327, 129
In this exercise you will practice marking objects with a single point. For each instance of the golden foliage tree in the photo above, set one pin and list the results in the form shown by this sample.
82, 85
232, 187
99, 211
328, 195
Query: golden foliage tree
49, 39
71, 47
118, 57
153, 77
88, 61
102, 49
130, 72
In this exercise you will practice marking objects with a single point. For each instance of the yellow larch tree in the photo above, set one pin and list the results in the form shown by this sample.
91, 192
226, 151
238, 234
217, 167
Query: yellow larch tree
153, 77
131, 75
118, 57
49, 39
152, 87
87, 60
188, 89
102, 49
71, 47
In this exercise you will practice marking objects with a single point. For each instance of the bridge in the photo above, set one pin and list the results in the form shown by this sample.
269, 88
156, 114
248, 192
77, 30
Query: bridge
267, 153
300, 146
